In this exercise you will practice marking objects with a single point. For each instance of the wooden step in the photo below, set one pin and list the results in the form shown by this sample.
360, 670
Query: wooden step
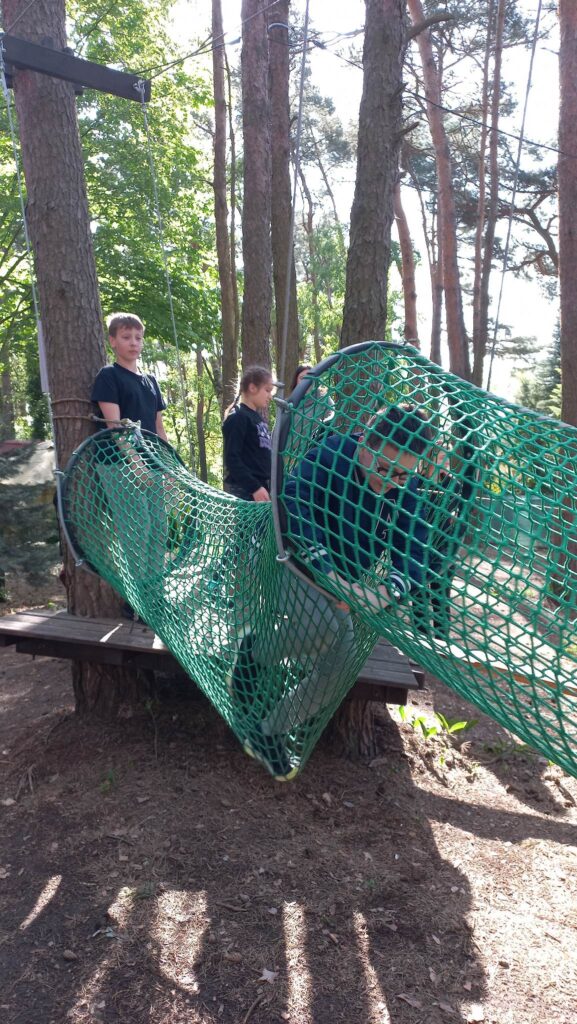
387, 675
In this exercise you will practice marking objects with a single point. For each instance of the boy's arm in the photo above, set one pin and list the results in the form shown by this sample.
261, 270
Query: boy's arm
409, 541
305, 490
111, 413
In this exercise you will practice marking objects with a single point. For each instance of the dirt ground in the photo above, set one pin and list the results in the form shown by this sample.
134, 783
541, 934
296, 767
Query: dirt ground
150, 873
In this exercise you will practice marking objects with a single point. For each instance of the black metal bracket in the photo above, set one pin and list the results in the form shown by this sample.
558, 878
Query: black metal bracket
20, 54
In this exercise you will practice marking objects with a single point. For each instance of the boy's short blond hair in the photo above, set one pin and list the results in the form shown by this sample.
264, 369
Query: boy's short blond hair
118, 320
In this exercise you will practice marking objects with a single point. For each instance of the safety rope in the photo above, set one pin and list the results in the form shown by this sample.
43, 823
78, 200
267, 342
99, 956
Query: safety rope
297, 154
514, 193
139, 86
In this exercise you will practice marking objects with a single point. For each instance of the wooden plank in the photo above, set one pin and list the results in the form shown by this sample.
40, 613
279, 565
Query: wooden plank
90, 632
70, 651
381, 695
18, 53
386, 676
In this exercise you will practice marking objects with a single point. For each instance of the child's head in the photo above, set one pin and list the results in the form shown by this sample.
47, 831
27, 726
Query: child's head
126, 335
391, 446
256, 387
118, 320
300, 372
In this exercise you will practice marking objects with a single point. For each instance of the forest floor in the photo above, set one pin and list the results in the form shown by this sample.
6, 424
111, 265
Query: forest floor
150, 873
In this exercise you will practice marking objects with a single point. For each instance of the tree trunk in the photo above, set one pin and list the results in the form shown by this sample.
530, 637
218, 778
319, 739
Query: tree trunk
200, 438
233, 206
487, 213
456, 337
59, 226
256, 241
281, 206
6, 403
354, 731
225, 269
379, 137
567, 175
567, 178
410, 330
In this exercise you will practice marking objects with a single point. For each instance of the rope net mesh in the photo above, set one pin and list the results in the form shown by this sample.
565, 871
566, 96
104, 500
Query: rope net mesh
440, 516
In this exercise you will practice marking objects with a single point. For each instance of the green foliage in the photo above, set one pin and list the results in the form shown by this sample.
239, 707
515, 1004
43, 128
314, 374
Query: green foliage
442, 727
129, 257
540, 389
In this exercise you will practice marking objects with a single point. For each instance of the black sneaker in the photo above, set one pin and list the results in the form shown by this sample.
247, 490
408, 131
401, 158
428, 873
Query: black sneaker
270, 751
243, 681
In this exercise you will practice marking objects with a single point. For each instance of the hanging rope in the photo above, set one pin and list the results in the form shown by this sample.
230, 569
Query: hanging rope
514, 192
284, 335
160, 230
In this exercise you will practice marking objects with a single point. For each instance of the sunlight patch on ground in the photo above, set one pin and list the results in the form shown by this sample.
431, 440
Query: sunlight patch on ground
48, 893
299, 987
181, 923
376, 1002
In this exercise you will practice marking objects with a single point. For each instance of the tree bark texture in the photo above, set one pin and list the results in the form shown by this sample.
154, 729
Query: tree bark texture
355, 731
482, 198
59, 226
6, 402
379, 138
567, 175
281, 202
200, 438
456, 337
256, 212
223, 249
410, 329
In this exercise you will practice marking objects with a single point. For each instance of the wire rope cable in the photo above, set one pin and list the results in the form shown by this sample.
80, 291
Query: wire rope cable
514, 192
284, 335
160, 230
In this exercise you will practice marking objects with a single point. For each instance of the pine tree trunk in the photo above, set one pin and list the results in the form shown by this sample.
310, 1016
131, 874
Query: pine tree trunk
256, 211
6, 403
567, 174
456, 337
59, 226
200, 438
223, 248
354, 731
410, 329
379, 137
567, 177
281, 206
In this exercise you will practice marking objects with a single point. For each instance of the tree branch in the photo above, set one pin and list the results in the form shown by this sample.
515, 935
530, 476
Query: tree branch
434, 19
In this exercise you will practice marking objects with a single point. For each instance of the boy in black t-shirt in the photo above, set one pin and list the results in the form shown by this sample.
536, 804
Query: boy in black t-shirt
120, 390
135, 493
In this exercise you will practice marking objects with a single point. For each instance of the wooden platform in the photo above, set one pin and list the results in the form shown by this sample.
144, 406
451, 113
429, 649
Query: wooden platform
387, 675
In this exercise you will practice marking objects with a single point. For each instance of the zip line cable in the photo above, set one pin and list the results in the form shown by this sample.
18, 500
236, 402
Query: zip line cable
212, 43
160, 231
284, 336
464, 117
514, 193
19, 16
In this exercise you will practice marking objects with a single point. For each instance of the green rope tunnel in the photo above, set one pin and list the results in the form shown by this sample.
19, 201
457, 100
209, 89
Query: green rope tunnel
442, 516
